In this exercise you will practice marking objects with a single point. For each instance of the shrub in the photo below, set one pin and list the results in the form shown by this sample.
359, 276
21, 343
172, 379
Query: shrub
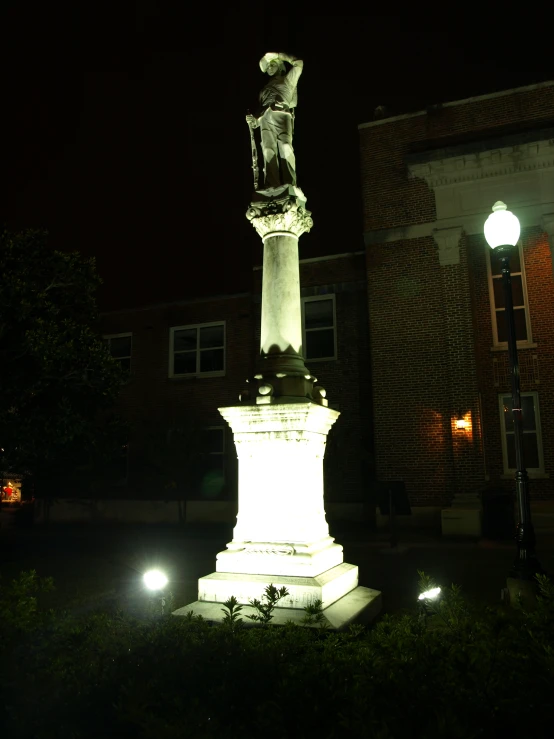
447, 669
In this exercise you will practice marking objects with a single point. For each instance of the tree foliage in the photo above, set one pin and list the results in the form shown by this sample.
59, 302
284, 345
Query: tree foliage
56, 374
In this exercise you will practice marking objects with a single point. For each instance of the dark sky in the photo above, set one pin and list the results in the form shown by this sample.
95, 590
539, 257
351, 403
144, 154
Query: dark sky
141, 156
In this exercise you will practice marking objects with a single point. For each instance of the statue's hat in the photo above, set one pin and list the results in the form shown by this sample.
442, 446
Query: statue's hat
269, 57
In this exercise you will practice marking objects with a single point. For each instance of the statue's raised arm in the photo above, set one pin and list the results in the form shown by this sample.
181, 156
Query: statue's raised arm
275, 118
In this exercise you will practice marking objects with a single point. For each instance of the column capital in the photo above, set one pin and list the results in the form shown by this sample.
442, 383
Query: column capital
279, 211
448, 241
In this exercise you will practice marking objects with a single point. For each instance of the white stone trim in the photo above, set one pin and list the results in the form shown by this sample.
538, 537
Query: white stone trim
448, 241
498, 162
472, 224
464, 101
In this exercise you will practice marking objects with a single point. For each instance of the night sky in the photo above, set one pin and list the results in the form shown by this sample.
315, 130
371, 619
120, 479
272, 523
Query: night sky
141, 157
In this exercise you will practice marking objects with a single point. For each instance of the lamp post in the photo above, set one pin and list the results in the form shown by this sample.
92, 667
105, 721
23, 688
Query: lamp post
502, 231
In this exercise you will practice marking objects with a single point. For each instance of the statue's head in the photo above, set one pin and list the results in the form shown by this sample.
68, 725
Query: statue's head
276, 67
271, 64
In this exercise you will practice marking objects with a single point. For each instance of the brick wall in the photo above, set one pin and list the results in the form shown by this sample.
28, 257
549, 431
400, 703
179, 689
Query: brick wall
430, 325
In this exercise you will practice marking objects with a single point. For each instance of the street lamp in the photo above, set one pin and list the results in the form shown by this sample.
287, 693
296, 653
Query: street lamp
502, 231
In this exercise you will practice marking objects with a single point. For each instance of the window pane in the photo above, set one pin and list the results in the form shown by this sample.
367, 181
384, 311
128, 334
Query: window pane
511, 445
125, 364
498, 289
320, 344
528, 412
211, 336
531, 451
120, 347
517, 292
496, 264
501, 327
184, 340
508, 415
213, 441
521, 326
318, 313
184, 363
211, 360
519, 321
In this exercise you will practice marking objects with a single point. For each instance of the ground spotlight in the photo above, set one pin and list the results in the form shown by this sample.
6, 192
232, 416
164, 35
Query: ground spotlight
430, 594
155, 580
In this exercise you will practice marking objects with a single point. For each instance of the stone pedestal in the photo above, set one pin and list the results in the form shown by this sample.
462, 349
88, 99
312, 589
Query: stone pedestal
281, 536
464, 518
280, 430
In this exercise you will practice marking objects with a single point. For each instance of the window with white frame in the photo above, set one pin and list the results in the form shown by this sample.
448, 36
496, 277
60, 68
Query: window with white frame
120, 346
519, 293
319, 334
197, 350
532, 443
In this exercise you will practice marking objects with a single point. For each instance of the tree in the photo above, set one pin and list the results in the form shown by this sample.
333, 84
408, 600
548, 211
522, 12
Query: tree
58, 381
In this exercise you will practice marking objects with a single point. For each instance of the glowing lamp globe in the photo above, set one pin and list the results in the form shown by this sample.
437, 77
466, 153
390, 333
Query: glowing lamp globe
501, 227
155, 580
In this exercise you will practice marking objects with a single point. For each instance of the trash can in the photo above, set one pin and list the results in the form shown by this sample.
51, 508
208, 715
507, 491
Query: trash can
498, 514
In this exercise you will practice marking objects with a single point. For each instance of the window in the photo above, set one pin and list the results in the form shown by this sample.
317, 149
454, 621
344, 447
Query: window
197, 350
120, 346
519, 293
212, 473
319, 332
532, 444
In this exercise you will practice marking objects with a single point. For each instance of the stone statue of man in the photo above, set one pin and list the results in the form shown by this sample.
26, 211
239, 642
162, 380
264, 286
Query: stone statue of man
275, 118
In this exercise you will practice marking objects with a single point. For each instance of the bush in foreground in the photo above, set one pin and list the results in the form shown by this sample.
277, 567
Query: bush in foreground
447, 670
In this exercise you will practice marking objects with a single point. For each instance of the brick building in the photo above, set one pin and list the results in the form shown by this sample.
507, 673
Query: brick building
436, 314
187, 358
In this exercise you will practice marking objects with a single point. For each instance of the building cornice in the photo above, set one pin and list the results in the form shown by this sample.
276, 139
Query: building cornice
471, 223
506, 161
454, 103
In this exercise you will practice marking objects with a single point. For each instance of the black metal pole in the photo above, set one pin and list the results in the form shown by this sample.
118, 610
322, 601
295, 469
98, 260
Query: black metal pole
526, 564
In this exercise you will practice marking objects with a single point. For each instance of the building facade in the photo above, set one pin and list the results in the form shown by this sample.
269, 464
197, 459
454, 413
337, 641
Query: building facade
435, 303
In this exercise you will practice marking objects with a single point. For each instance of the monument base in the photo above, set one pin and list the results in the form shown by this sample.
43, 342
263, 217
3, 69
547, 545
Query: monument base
343, 601
361, 605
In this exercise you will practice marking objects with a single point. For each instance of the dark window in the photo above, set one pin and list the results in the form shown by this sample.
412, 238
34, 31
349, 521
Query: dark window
198, 349
518, 296
319, 328
120, 349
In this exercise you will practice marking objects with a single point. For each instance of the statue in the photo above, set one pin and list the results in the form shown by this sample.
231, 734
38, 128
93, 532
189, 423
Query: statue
275, 119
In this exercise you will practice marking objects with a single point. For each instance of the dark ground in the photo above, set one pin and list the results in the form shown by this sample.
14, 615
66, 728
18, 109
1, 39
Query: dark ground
102, 566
